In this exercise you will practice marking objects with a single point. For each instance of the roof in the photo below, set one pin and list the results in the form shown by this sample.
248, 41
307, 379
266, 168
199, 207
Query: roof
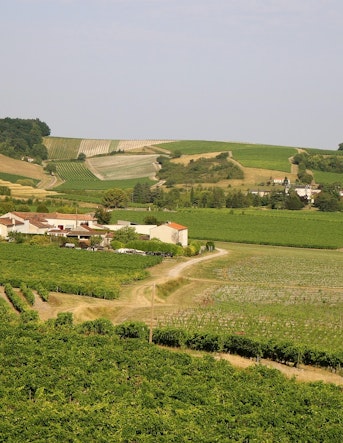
53, 215
176, 226
6, 221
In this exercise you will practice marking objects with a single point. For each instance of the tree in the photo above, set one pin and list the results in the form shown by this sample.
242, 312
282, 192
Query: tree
293, 201
103, 217
115, 198
126, 234
81, 157
327, 202
340, 147
51, 168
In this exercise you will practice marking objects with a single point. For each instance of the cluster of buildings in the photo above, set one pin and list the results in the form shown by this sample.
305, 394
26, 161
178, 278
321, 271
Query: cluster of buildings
84, 226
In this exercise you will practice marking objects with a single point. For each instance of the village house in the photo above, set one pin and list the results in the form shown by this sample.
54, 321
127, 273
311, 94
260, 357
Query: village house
170, 233
46, 223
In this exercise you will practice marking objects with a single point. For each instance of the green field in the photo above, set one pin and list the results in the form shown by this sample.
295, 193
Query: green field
327, 177
249, 155
271, 293
309, 229
74, 271
13, 178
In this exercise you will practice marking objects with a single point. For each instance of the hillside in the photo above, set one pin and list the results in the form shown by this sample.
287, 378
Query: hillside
123, 163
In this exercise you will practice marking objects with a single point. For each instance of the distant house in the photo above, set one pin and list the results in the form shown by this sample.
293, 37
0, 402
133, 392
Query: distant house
8, 225
306, 191
42, 223
170, 233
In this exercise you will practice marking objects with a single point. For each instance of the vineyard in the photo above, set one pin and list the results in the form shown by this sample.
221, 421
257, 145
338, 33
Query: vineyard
60, 148
270, 293
284, 228
73, 271
94, 382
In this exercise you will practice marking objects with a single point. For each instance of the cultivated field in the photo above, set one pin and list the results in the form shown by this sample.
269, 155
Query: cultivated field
123, 167
310, 229
268, 293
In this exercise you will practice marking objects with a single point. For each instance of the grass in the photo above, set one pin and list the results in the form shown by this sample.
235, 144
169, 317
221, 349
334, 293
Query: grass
309, 229
249, 155
13, 178
270, 292
327, 177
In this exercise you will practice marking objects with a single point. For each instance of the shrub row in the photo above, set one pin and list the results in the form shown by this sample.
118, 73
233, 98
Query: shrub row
43, 292
282, 352
27, 293
14, 298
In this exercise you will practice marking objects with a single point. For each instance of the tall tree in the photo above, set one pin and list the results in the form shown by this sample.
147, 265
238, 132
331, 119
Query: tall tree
115, 198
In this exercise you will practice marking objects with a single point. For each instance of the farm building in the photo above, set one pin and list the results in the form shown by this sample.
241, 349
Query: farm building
170, 233
8, 224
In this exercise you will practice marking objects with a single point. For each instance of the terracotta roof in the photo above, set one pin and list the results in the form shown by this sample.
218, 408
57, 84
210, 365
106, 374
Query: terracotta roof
53, 215
176, 226
6, 221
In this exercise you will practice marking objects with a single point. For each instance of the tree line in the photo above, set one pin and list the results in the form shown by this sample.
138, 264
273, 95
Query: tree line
23, 138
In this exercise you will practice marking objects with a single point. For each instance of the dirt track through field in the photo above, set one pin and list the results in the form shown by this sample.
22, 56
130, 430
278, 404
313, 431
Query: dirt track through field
136, 304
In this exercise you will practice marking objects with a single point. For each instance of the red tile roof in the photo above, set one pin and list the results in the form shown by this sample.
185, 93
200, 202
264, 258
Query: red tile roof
176, 226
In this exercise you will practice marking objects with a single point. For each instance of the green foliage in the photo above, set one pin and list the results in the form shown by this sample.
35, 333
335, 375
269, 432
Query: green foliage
81, 157
14, 298
155, 246
95, 274
64, 319
100, 326
103, 217
115, 198
42, 292
132, 330
327, 202
23, 138
126, 234
5, 190
27, 293
203, 170
60, 385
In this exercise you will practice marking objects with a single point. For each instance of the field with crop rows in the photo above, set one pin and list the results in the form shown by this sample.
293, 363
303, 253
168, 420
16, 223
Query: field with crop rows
310, 229
123, 167
60, 148
94, 147
74, 271
269, 292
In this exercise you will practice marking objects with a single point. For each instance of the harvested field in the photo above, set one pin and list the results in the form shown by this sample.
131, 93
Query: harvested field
122, 167
19, 167
131, 145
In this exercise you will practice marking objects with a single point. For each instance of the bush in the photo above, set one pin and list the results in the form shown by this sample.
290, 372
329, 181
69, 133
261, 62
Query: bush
132, 330
173, 337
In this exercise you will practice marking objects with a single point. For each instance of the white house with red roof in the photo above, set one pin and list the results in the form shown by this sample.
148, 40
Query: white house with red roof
170, 232
9, 224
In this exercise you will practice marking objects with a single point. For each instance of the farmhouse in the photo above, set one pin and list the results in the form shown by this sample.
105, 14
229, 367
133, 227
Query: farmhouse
64, 225
170, 233
8, 225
